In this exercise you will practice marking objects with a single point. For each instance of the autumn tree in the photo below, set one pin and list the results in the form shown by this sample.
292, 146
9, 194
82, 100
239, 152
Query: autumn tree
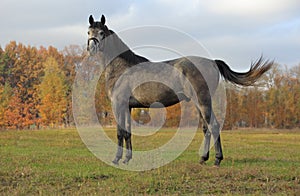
14, 113
295, 73
22, 69
103, 104
141, 115
52, 93
5, 96
73, 57
173, 115
232, 108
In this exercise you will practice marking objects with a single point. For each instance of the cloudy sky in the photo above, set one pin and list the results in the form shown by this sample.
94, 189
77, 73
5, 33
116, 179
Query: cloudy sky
235, 31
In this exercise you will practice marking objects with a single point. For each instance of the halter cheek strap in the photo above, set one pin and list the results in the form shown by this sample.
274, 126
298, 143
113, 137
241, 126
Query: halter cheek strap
88, 42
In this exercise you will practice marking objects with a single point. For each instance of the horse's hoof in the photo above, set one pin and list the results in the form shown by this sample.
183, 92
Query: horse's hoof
126, 161
202, 161
115, 162
217, 163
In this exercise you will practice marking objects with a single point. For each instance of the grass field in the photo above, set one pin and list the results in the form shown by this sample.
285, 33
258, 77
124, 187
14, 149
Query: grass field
56, 162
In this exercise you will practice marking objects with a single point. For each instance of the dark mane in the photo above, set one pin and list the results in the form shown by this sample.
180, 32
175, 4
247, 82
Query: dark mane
129, 55
96, 25
133, 58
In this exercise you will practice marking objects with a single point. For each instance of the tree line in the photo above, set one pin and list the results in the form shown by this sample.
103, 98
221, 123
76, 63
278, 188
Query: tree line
35, 86
36, 92
273, 103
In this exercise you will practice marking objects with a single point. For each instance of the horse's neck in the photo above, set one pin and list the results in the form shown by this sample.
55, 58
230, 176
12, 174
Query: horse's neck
116, 48
120, 58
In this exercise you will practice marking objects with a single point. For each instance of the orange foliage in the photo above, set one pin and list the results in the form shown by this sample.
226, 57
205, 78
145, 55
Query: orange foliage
36, 88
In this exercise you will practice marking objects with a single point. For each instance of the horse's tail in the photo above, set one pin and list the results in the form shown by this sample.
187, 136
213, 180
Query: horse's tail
257, 69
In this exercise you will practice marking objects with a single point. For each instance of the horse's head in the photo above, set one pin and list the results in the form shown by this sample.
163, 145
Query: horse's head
97, 32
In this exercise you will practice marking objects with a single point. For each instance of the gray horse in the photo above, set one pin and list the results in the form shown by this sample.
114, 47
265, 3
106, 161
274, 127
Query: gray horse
132, 81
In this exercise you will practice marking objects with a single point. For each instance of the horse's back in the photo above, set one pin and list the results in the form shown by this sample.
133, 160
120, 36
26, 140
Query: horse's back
198, 70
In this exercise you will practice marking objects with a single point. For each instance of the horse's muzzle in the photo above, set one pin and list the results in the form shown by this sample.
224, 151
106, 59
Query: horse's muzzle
92, 45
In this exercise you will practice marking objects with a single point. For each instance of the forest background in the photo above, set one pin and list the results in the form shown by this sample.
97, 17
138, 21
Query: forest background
36, 93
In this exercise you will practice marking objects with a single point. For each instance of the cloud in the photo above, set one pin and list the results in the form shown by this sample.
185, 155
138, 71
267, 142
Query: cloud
236, 31
207, 18
34, 14
252, 9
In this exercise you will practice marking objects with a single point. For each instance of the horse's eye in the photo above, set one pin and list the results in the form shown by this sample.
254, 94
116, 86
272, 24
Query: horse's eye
101, 33
88, 32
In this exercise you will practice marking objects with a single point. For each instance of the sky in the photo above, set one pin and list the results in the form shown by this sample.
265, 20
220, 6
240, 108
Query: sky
238, 32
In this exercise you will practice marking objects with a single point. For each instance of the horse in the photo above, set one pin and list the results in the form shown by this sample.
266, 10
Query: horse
183, 81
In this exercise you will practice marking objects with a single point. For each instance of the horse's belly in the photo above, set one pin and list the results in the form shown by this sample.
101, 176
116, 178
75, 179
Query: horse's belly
147, 94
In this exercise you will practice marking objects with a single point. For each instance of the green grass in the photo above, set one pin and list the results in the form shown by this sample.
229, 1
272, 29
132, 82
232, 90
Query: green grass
56, 162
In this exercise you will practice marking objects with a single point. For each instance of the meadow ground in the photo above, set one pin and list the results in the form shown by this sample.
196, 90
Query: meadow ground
56, 162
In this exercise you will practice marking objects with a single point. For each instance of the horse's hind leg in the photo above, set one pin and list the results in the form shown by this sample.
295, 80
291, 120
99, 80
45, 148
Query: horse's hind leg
120, 136
210, 126
215, 129
206, 146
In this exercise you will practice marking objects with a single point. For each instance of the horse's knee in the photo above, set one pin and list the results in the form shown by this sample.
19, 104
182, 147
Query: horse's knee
120, 135
127, 135
204, 127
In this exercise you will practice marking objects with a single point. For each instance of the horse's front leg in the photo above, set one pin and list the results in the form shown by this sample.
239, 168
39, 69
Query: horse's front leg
119, 112
127, 136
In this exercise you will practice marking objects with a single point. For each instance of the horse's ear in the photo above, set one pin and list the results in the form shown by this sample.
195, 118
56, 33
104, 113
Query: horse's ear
91, 20
103, 19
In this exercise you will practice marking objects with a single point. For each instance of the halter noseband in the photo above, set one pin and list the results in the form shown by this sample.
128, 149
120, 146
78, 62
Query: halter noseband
88, 42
